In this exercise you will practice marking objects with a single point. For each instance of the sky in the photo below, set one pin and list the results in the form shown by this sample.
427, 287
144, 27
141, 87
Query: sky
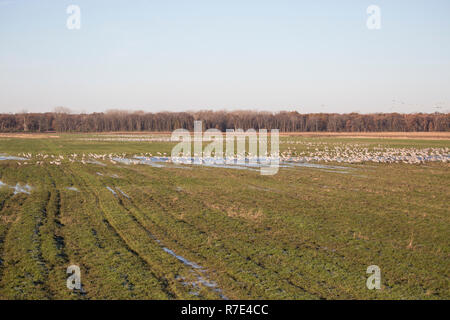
173, 55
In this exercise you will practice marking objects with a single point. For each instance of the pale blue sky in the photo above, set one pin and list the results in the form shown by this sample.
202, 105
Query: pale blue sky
315, 56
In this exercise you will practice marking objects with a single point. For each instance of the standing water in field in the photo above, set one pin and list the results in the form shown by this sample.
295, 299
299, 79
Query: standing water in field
239, 164
151, 161
91, 161
199, 275
200, 278
6, 157
123, 193
112, 191
19, 189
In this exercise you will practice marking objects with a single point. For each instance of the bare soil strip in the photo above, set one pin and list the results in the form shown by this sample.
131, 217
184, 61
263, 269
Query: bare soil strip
28, 135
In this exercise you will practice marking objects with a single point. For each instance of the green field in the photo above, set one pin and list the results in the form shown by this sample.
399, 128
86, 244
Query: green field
196, 232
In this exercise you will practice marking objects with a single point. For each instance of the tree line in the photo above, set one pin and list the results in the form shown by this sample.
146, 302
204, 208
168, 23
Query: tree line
168, 121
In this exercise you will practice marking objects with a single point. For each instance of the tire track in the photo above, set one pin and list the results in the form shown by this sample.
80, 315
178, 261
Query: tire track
52, 238
87, 189
196, 270
4, 235
146, 243
229, 251
24, 260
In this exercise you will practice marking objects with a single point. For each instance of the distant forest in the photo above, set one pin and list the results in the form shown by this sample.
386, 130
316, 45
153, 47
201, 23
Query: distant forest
168, 121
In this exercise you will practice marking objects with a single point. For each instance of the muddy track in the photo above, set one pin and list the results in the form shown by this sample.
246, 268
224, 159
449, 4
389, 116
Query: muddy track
40, 221
87, 189
197, 272
58, 229
256, 264
165, 285
32, 216
4, 236
57, 258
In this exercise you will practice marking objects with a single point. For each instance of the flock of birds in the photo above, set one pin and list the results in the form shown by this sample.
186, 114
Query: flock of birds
359, 154
314, 152
84, 158
129, 138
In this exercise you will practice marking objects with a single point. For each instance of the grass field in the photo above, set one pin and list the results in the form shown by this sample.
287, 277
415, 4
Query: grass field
194, 232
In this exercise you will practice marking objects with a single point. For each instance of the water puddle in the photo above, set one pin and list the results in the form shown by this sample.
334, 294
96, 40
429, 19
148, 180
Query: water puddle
6, 157
200, 278
182, 259
96, 162
196, 270
199, 274
19, 189
112, 191
115, 193
151, 161
252, 164
290, 164
123, 193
